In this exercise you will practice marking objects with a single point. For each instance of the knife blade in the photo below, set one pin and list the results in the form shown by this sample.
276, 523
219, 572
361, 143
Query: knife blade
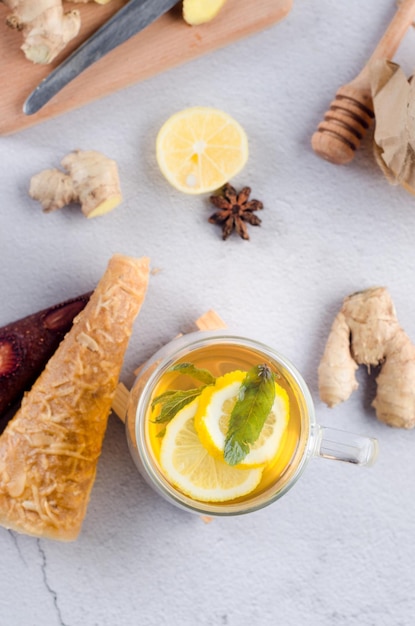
128, 21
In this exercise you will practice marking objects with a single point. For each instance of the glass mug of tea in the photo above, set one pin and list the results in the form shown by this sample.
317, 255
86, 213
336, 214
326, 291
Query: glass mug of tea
197, 402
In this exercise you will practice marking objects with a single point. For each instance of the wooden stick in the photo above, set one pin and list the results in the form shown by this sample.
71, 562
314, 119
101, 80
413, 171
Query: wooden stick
351, 112
210, 321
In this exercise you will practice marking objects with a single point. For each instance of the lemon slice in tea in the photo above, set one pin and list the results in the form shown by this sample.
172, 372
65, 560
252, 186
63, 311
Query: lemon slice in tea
188, 466
213, 414
200, 149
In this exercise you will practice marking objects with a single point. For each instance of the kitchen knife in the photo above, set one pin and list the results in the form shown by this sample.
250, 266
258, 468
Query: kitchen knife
128, 21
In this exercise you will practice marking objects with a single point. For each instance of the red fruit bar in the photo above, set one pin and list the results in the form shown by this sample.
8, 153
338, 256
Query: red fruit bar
26, 346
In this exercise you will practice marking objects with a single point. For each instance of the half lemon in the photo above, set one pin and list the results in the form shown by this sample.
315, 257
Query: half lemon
200, 149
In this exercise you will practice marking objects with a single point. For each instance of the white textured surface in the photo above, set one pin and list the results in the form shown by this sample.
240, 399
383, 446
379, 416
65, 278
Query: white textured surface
339, 549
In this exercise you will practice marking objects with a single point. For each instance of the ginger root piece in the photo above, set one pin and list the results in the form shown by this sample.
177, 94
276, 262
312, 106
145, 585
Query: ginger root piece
50, 449
91, 180
45, 26
197, 12
27, 344
366, 332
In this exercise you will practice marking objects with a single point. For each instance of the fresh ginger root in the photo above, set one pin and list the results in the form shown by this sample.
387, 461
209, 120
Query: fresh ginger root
92, 181
366, 332
45, 26
197, 12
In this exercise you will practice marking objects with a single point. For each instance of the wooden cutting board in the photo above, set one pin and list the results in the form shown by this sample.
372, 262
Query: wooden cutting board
166, 43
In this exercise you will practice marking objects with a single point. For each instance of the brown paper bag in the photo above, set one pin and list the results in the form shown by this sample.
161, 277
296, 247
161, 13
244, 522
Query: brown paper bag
394, 139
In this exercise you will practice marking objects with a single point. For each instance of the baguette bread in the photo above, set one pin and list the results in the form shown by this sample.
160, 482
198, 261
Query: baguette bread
50, 449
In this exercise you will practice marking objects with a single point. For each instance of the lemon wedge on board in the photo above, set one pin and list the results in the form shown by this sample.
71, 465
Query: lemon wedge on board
197, 12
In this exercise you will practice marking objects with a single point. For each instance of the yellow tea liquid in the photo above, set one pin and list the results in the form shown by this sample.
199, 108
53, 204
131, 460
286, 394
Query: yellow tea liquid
220, 359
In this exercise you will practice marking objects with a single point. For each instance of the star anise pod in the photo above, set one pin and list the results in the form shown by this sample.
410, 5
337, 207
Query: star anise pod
234, 209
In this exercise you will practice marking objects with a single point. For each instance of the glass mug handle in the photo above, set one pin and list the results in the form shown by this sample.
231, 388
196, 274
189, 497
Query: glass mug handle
339, 445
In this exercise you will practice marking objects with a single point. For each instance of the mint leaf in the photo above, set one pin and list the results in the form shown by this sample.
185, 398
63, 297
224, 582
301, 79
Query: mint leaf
173, 402
255, 399
202, 375
162, 397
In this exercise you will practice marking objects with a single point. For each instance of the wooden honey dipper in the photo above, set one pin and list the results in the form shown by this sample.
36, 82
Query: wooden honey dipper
351, 112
